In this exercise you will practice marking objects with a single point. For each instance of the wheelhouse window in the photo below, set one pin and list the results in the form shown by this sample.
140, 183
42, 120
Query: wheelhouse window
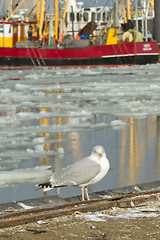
72, 17
98, 16
93, 16
85, 16
1, 28
109, 13
79, 17
104, 16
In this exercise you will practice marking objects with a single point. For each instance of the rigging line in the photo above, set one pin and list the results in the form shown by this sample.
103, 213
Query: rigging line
46, 10
41, 57
119, 59
32, 60
47, 4
86, 3
105, 6
36, 56
102, 9
128, 52
92, 3
30, 12
120, 48
17, 3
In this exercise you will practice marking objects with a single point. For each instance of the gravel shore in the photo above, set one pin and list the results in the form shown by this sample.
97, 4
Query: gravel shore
138, 222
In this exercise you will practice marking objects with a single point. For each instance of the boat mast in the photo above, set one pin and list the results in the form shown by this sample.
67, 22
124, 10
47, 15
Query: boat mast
51, 34
115, 15
136, 16
128, 14
152, 3
65, 10
41, 19
56, 21
61, 22
146, 21
37, 12
124, 12
157, 20
11, 3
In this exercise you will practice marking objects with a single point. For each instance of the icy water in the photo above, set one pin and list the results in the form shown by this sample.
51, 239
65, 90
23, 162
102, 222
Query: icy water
53, 117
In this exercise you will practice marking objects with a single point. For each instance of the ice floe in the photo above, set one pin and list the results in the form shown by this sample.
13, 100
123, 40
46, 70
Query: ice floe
18, 176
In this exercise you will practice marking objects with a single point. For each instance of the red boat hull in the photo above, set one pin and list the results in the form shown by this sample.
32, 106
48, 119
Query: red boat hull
107, 55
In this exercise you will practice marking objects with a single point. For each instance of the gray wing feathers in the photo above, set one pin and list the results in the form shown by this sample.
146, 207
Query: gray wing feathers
80, 172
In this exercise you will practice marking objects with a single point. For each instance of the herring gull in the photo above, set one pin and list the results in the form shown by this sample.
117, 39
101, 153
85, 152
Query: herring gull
82, 173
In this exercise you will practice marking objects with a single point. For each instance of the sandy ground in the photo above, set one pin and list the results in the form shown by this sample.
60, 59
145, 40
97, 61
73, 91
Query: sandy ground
142, 222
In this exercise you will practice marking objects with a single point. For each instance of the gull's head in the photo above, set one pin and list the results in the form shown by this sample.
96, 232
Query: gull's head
98, 151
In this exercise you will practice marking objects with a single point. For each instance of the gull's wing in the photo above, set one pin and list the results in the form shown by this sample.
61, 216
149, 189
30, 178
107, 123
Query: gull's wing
80, 172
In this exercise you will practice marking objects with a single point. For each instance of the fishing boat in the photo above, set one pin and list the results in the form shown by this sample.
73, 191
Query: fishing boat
45, 41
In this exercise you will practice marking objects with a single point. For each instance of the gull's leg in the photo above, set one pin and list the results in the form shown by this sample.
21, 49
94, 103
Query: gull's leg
82, 191
86, 191
43, 193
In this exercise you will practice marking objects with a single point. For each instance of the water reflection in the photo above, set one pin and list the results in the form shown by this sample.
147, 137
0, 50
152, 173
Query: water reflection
47, 146
138, 148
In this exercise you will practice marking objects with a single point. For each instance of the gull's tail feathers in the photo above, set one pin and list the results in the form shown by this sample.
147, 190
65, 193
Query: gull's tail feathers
48, 186
45, 186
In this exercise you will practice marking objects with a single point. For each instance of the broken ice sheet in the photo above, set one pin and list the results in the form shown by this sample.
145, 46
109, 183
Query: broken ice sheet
118, 123
38, 152
17, 176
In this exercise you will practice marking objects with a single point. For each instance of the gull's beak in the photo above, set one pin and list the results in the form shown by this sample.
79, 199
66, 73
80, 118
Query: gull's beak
100, 154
